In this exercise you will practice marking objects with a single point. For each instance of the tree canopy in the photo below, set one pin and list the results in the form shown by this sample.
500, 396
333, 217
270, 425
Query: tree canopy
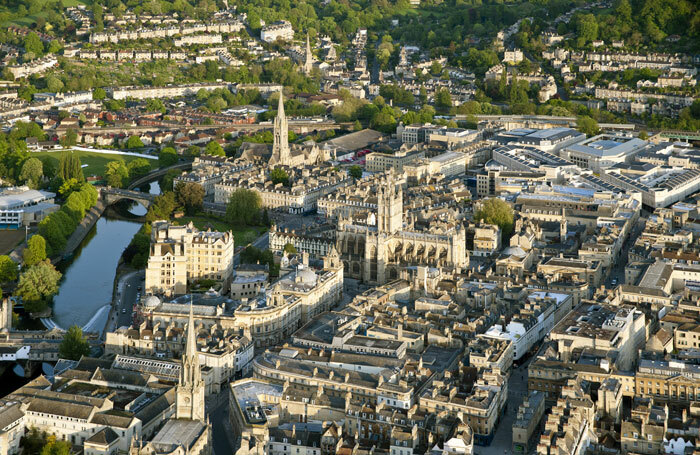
74, 344
116, 174
279, 175
587, 125
496, 211
190, 196
215, 149
167, 157
8, 269
32, 172
35, 251
355, 171
243, 207
69, 167
36, 284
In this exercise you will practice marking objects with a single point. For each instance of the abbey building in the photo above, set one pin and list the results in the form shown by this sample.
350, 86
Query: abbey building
375, 245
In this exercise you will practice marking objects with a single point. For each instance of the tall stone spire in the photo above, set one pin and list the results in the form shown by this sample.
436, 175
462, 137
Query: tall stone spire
308, 57
190, 391
280, 144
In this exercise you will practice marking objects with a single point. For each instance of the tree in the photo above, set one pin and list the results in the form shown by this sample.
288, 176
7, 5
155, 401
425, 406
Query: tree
99, 94
216, 104
435, 68
116, 173
167, 157
215, 149
586, 29
8, 269
587, 125
279, 175
74, 344
643, 135
190, 195
32, 171
443, 99
166, 182
33, 44
498, 212
55, 447
290, 249
162, 207
37, 283
243, 207
193, 151
155, 105
138, 168
54, 84
69, 167
355, 171
357, 126
134, 142
35, 251
70, 138
68, 186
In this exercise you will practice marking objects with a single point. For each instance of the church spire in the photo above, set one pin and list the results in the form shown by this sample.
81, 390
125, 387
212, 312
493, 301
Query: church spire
308, 57
280, 144
191, 347
190, 391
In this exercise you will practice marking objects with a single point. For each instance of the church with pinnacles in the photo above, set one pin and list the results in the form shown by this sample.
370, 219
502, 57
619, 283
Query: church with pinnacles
281, 153
189, 432
376, 246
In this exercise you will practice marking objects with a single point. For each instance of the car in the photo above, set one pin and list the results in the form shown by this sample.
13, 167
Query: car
139, 288
123, 310
614, 282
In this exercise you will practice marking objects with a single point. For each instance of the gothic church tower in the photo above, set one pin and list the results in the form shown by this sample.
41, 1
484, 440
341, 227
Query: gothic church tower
308, 57
189, 398
280, 144
390, 207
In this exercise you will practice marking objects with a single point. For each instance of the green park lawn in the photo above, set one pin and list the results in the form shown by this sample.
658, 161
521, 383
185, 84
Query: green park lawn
96, 162
29, 19
242, 235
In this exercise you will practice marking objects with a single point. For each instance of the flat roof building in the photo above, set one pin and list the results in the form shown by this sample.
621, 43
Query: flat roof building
603, 151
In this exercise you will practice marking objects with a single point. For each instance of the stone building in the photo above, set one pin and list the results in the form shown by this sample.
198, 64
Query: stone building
180, 255
375, 250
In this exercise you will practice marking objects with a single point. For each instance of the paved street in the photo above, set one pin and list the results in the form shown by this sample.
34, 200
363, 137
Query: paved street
217, 410
618, 272
126, 298
517, 390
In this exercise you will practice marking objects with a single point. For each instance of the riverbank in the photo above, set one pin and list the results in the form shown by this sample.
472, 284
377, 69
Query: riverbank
86, 224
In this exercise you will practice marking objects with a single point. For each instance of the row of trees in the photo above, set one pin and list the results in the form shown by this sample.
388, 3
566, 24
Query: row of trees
58, 226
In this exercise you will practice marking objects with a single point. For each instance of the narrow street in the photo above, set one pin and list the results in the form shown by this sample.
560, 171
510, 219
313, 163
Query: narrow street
217, 411
517, 390
617, 274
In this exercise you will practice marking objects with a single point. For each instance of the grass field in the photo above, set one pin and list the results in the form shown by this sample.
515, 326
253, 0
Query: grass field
95, 161
29, 19
242, 236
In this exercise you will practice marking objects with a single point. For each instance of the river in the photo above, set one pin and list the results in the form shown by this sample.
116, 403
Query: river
88, 278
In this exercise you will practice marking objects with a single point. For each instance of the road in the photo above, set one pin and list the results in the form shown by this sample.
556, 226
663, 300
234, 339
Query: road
503, 439
126, 298
217, 411
618, 271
